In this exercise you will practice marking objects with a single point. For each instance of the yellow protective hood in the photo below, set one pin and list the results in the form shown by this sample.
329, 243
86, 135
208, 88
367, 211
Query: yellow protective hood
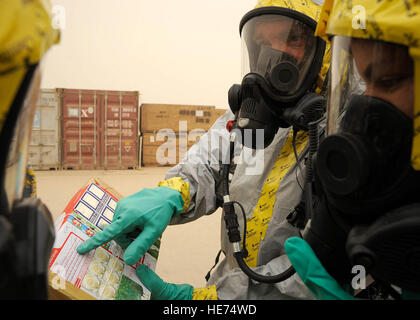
394, 21
312, 10
307, 7
25, 35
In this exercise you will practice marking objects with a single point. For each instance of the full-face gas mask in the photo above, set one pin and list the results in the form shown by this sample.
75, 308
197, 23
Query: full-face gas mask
369, 210
281, 61
284, 79
26, 226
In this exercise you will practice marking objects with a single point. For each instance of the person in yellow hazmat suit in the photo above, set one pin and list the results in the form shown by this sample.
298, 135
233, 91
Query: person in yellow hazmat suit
284, 73
26, 228
364, 238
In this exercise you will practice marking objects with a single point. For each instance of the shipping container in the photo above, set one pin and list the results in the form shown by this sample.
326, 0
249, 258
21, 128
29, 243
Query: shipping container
99, 129
44, 148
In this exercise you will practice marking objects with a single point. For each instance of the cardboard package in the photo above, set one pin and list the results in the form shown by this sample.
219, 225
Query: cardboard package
167, 150
155, 117
217, 113
100, 274
168, 131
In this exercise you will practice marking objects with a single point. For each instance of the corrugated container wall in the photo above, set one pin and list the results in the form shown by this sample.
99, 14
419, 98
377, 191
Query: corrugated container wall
44, 148
99, 129
121, 132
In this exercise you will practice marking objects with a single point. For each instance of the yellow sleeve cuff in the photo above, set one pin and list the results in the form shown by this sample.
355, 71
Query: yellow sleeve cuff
207, 293
180, 185
30, 182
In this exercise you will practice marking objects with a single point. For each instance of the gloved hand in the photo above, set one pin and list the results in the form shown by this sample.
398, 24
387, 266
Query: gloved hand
149, 210
311, 271
162, 290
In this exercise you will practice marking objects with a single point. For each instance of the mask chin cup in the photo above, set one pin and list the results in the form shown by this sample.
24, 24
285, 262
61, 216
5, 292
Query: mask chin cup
284, 77
389, 249
343, 164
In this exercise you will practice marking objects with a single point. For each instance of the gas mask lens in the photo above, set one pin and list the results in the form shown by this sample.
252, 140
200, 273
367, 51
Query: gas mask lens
366, 154
278, 48
374, 69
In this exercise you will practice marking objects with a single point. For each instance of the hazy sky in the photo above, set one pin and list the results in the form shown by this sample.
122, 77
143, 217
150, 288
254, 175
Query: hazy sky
180, 52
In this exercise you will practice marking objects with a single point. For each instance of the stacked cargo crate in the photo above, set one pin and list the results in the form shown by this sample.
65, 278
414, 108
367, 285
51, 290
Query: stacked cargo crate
169, 130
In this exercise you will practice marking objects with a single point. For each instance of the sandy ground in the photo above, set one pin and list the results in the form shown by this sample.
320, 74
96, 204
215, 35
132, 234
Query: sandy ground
187, 251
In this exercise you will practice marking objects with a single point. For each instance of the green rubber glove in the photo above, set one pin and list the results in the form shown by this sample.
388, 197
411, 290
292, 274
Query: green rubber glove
162, 290
311, 271
149, 210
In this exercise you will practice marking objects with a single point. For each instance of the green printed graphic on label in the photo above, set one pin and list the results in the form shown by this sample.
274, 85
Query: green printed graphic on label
129, 290
157, 243
153, 252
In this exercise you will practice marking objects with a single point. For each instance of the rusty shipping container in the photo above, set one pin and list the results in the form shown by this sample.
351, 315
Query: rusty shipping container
44, 148
99, 129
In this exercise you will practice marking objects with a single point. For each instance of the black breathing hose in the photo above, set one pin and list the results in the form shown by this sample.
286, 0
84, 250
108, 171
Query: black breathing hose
232, 225
313, 147
260, 278
312, 118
